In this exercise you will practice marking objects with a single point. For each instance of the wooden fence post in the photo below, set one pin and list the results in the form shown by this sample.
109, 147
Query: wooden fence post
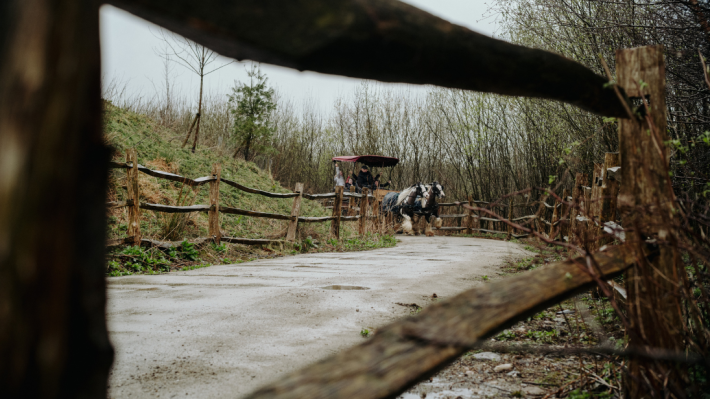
337, 211
609, 193
510, 217
351, 200
577, 204
214, 230
133, 195
564, 217
540, 213
596, 191
295, 211
647, 204
469, 220
555, 218
363, 212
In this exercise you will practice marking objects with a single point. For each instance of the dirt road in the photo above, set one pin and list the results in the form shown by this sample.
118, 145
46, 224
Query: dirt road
225, 330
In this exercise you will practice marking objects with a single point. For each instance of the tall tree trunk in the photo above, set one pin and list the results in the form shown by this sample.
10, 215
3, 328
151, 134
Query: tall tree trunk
199, 113
54, 167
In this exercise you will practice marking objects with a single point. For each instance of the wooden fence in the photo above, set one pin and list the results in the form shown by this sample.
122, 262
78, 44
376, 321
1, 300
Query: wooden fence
214, 209
366, 209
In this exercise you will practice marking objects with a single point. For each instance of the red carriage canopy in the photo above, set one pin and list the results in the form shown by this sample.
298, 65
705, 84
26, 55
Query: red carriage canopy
369, 160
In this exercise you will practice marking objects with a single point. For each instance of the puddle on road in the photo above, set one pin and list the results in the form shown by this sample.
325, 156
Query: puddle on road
345, 287
314, 267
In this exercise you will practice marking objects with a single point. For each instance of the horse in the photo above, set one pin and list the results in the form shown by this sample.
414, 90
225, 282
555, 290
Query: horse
429, 207
404, 203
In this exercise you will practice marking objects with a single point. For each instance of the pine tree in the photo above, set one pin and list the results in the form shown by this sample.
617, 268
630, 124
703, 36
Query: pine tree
252, 105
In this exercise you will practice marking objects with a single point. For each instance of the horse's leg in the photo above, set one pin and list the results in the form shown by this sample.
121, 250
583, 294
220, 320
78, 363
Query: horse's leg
428, 231
407, 225
438, 222
415, 224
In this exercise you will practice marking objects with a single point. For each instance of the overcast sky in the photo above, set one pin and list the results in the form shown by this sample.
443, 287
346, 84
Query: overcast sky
129, 44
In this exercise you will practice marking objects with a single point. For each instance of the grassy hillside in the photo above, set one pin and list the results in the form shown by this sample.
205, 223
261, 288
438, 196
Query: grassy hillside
159, 148
125, 130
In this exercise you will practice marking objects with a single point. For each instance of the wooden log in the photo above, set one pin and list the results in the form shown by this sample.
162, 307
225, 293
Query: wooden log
304, 219
316, 197
362, 230
117, 242
410, 349
609, 194
214, 229
647, 204
597, 182
133, 194
510, 217
53, 185
146, 242
173, 177
350, 218
524, 217
259, 192
255, 214
337, 212
295, 211
353, 194
174, 209
250, 241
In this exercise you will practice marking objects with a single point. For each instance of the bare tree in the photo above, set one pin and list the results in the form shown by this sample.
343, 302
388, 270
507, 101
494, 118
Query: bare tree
196, 59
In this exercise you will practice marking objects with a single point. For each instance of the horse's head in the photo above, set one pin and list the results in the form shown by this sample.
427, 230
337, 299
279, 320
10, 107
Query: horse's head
437, 190
421, 190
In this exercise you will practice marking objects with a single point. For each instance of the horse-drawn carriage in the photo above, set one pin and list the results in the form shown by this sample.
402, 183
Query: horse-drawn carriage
406, 206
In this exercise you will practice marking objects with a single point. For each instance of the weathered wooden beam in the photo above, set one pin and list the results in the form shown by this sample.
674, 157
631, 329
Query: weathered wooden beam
453, 215
350, 218
337, 211
250, 241
237, 211
314, 197
117, 242
53, 184
260, 192
384, 40
413, 348
362, 230
295, 211
133, 195
469, 219
305, 219
214, 229
174, 209
648, 204
146, 242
